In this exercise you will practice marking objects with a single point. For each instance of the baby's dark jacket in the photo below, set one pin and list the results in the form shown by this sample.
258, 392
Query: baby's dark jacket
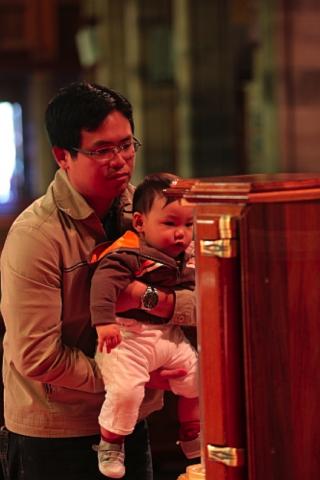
130, 258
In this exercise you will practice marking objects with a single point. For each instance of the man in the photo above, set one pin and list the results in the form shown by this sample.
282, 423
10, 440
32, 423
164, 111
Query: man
52, 386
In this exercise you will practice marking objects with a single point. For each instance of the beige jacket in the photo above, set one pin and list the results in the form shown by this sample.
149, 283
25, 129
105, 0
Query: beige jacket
53, 387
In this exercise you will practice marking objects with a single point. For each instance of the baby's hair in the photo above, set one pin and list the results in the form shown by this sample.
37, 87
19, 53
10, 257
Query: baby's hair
149, 188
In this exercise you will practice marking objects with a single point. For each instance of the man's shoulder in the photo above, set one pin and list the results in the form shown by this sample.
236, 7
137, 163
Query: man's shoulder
39, 213
42, 221
31, 237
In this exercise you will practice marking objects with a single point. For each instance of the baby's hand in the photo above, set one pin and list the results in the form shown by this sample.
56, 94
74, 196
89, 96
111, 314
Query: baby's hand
109, 336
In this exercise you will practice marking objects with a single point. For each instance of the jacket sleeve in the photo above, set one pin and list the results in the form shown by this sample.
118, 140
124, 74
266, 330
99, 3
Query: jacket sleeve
32, 309
185, 301
112, 275
185, 308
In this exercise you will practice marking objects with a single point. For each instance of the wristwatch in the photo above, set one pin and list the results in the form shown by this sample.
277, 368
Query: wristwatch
150, 298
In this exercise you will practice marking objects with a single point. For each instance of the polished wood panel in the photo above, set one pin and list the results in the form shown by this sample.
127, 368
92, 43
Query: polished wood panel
221, 367
281, 276
258, 315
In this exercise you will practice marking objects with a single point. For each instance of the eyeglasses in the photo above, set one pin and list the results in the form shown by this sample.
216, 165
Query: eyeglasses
126, 149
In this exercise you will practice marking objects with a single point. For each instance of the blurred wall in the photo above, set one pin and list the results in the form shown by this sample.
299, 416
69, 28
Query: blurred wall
217, 87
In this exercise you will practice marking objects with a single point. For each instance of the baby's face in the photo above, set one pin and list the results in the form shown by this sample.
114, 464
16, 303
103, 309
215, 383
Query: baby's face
168, 228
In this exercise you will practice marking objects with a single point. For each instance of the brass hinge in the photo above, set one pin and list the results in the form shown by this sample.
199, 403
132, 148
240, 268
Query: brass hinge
227, 226
232, 457
226, 246
223, 247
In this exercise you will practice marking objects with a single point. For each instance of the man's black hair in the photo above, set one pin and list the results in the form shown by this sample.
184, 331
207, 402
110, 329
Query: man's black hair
82, 106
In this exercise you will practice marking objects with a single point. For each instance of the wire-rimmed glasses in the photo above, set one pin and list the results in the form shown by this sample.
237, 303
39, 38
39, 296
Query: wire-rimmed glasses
126, 150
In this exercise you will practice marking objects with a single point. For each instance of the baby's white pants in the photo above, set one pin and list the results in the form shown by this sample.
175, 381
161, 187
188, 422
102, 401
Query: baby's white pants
126, 370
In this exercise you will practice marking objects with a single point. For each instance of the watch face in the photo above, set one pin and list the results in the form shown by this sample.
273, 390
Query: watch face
150, 298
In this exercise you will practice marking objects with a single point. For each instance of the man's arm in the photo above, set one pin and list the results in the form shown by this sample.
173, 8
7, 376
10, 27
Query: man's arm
185, 308
32, 307
177, 306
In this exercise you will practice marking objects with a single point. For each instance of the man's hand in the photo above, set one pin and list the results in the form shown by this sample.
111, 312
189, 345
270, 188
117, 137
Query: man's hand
159, 379
109, 336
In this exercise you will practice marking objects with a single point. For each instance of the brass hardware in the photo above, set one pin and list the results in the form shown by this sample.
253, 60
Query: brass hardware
205, 221
227, 226
224, 248
194, 472
226, 245
232, 457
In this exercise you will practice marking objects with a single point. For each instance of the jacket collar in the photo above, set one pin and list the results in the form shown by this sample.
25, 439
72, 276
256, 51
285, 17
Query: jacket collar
68, 199
73, 204
131, 241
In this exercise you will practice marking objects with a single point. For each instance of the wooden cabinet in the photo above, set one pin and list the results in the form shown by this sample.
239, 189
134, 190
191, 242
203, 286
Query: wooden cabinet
258, 278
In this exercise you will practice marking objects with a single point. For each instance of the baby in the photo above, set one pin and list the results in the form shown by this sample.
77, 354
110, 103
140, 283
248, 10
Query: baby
138, 342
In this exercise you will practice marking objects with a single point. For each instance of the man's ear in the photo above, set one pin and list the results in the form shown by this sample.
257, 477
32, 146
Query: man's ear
137, 221
61, 156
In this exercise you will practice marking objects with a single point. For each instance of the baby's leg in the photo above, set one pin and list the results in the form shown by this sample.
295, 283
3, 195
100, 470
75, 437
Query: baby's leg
110, 436
183, 355
117, 418
189, 417
119, 411
125, 375
189, 432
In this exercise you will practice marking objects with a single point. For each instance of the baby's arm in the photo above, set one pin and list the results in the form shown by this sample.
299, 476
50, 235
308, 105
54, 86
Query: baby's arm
109, 336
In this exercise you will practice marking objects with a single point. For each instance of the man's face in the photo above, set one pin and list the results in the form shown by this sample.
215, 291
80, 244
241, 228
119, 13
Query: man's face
96, 177
168, 228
